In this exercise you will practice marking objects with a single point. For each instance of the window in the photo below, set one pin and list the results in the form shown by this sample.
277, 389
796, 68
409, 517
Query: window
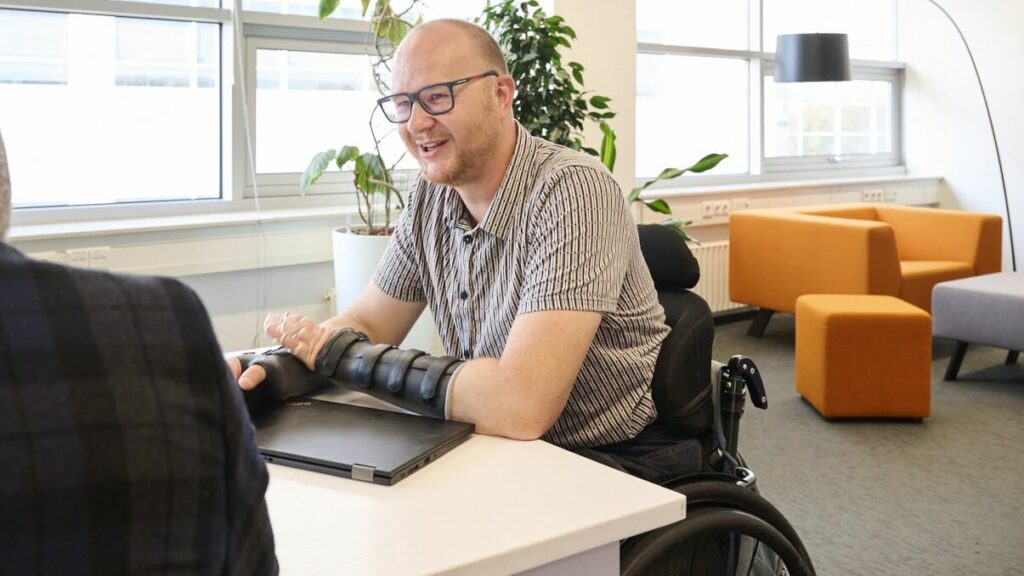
307, 102
162, 100
674, 127
705, 85
837, 120
33, 47
106, 109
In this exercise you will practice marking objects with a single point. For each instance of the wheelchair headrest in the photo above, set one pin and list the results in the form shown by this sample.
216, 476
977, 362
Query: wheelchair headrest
669, 259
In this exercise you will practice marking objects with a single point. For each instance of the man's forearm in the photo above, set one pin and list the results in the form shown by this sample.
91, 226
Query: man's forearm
502, 405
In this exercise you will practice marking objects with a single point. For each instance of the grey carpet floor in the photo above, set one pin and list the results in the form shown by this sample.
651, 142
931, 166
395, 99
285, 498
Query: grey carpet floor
940, 496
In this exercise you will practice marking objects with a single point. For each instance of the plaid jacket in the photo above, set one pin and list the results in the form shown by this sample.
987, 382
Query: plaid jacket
125, 447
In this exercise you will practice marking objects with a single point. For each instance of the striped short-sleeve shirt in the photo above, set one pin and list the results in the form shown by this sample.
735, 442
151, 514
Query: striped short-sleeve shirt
557, 236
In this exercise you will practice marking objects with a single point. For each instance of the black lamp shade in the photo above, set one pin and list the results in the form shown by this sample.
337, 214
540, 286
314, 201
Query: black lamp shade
812, 58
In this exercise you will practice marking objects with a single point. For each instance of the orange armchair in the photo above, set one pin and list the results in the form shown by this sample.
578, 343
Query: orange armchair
775, 256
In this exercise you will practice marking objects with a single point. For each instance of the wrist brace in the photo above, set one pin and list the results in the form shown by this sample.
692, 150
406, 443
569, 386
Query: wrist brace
286, 377
409, 379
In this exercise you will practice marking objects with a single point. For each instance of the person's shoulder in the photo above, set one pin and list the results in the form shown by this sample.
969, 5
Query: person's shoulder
139, 288
557, 162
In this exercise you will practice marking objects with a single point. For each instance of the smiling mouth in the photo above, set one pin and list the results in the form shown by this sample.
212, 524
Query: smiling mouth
431, 146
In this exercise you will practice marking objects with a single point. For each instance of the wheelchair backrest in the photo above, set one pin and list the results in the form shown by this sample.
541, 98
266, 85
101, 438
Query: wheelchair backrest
682, 386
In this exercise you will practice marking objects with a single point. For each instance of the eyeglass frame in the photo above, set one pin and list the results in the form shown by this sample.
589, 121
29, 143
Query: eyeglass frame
414, 97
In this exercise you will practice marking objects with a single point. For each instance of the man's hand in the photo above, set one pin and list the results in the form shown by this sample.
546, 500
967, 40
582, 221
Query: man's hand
302, 336
249, 379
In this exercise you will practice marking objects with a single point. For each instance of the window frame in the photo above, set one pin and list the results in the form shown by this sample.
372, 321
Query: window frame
859, 70
761, 168
286, 183
237, 76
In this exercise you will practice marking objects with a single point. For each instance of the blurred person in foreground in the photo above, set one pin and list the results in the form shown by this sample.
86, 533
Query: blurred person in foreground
125, 443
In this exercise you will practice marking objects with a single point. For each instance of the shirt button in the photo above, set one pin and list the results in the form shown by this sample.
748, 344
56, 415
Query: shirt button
464, 295
467, 239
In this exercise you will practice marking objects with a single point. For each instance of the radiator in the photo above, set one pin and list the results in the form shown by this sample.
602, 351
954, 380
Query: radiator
714, 274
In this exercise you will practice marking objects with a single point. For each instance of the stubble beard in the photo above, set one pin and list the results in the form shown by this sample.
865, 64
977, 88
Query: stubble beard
470, 161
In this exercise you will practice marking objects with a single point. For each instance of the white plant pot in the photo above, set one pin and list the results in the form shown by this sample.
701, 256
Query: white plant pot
355, 259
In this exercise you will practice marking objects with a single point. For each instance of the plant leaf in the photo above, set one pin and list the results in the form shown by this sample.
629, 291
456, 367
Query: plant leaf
670, 173
327, 7
707, 163
345, 155
315, 169
608, 147
677, 225
659, 206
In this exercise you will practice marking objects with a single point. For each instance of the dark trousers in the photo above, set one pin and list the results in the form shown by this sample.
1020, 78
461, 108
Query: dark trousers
655, 454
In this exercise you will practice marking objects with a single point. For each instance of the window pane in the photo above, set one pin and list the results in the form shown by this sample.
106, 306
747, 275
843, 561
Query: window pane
163, 53
693, 23
307, 102
33, 47
680, 120
870, 24
353, 9
827, 118
193, 3
128, 119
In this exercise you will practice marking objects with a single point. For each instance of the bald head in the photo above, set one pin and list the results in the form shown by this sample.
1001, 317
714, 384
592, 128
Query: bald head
473, 42
5, 192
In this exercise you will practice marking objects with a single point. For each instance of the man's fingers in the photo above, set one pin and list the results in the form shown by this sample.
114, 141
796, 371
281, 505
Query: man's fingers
273, 325
252, 377
234, 365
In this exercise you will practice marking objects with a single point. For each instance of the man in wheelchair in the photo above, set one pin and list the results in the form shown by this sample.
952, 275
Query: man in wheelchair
528, 257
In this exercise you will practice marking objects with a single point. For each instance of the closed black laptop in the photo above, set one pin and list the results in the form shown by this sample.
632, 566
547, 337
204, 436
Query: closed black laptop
354, 441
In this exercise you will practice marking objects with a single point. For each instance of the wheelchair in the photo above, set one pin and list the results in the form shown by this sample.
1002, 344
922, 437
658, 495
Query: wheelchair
729, 527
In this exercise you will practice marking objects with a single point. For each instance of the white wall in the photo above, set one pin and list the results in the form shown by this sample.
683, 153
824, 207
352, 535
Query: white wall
606, 47
946, 130
239, 301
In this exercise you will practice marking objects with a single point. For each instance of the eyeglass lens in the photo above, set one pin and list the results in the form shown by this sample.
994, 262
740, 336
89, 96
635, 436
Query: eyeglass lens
433, 99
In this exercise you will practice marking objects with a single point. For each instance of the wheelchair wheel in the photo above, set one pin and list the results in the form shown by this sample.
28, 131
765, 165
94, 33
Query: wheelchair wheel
721, 490
714, 540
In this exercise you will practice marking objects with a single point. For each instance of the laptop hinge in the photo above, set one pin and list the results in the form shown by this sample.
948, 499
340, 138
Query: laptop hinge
364, 473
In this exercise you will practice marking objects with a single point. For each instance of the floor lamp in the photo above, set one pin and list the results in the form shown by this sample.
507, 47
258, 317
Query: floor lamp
992, 127
825, 58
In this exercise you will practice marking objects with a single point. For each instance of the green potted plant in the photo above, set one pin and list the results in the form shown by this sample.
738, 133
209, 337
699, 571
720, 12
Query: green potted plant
379, 196
550, 99
375, 187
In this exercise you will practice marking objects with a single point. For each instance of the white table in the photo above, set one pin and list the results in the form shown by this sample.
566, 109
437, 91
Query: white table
490, 506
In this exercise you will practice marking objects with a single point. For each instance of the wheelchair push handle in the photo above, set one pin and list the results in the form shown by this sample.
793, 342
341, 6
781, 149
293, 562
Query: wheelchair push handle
738, 378
742, 368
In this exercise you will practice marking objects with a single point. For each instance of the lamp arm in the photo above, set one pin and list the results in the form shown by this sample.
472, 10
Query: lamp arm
991, 125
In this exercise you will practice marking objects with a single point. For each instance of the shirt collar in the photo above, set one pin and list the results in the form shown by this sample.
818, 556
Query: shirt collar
509, 198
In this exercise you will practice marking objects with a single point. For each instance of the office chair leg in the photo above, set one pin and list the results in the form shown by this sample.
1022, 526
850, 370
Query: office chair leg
955, 360
760, 322
1011, 356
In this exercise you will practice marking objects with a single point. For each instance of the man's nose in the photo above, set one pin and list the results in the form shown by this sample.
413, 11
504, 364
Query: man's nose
418, 118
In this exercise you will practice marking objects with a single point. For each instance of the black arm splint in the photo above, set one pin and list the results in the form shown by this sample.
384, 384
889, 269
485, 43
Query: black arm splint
410, 379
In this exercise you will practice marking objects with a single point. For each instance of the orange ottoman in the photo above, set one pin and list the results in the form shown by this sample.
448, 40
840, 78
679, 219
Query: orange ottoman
863, 356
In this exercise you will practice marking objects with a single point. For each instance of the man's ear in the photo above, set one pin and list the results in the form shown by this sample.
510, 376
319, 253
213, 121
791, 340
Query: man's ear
506, 92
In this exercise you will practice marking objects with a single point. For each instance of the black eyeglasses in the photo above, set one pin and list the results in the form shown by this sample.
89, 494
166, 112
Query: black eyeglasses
435, 99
